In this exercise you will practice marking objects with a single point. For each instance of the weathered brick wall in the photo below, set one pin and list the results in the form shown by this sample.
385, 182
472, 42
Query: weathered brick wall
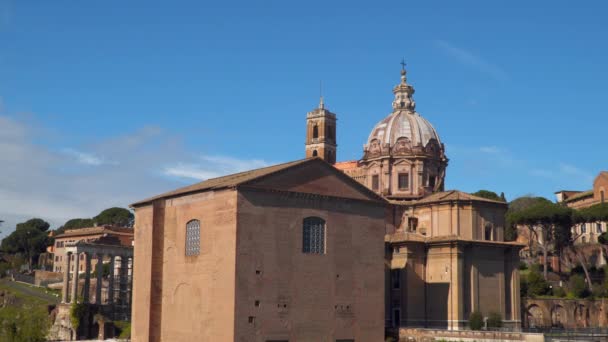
565, 313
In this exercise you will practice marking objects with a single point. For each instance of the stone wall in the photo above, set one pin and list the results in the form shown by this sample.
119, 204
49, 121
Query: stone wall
565, 313
424, 335
43, 278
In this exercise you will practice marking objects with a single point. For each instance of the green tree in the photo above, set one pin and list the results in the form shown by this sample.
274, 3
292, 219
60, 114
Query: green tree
491, 195
543, 219
120, 217
78, 223
536, 285
515, 206
30, 238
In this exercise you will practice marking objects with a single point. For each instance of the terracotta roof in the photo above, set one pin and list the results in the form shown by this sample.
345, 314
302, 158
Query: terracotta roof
346, 165
95, 231
580, 195
233, 180
453, 195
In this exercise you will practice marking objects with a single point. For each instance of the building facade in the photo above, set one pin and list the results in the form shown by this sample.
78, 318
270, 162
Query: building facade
307, 251
587, 232
72, 236
293, 252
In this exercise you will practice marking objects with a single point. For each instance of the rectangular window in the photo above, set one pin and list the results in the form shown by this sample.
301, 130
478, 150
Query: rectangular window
396, 279
412, 223
404, 181
599, 228
313, 235
432, 181
375, 182
193, 238
583, 228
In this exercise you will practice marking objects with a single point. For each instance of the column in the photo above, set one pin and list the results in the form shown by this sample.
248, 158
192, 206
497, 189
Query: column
515, 295
123, 279
111, 281
87, 277
457, 286
130, 281
99, 268
66, 278
75, 278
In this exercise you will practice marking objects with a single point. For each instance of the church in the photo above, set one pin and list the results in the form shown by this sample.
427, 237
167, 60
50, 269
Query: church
319, 250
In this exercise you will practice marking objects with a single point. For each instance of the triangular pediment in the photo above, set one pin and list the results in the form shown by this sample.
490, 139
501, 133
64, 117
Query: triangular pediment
315, 177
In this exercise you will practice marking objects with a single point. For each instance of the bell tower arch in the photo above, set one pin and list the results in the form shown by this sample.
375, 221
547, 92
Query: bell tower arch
321, 134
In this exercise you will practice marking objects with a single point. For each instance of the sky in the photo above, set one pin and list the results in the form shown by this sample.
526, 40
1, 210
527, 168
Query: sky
103, 103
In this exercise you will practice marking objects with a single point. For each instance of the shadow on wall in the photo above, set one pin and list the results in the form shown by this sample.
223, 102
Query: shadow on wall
437, 305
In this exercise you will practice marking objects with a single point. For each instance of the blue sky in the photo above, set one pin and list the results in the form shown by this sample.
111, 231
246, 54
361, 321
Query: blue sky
103, 103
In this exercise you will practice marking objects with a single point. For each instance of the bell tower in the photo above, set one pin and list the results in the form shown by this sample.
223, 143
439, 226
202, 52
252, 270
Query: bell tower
321, 134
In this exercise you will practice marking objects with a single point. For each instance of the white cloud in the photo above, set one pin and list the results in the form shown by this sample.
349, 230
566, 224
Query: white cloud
472, 60
50, 183
213, 166
489, 149
84, 158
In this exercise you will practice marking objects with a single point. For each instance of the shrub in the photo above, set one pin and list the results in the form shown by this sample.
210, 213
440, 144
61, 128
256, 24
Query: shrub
494, 320
79, 312
124, 329
578, 287
523, 266
23, 324
537, 285
476, 321
559, 292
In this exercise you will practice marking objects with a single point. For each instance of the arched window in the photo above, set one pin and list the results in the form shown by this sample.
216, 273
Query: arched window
314, 153
193, 238
313, 235
315, 132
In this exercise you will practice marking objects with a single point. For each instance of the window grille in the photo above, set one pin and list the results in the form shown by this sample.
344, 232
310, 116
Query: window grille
193, 238
404, 181
313, 241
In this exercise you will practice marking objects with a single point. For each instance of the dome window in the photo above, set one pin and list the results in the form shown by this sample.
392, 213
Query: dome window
315, 153
404, 181
375, 182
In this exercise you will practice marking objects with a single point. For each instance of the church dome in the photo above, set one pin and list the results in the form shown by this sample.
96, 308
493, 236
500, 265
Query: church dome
404, 132
403, 124
403, 158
